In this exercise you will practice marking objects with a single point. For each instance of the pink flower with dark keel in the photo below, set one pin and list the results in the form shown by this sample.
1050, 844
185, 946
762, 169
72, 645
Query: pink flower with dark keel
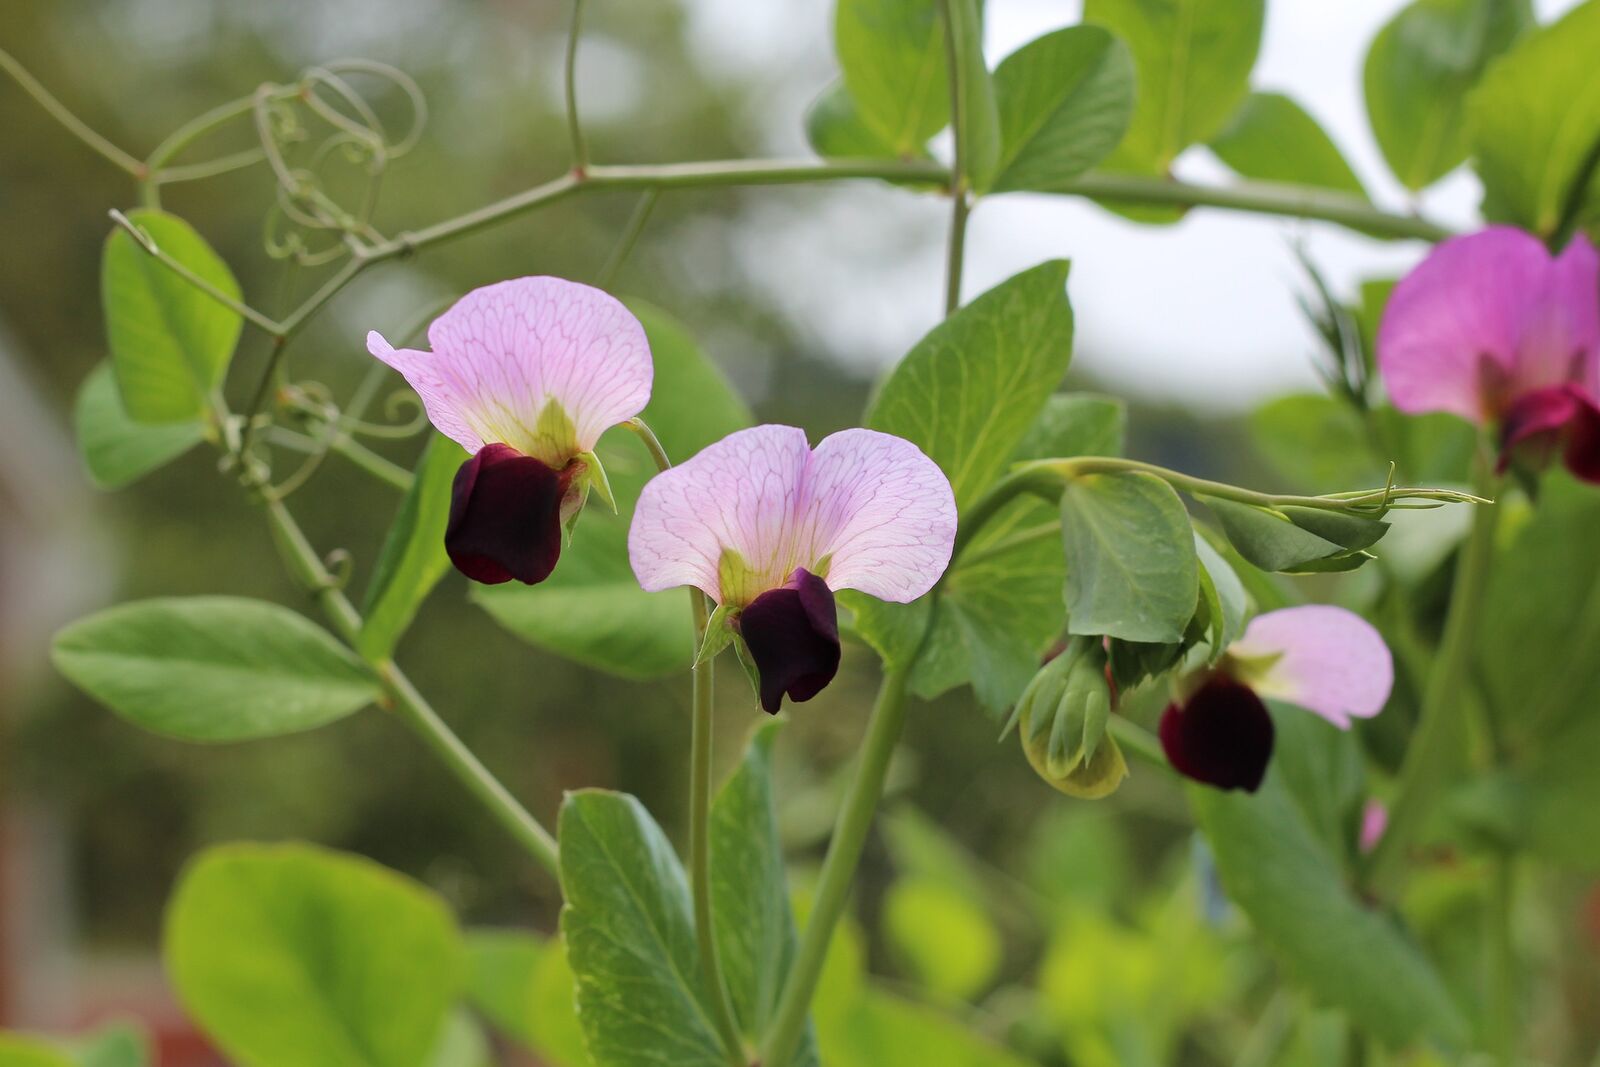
1493, 328
770, 528
1325, 659
526, 375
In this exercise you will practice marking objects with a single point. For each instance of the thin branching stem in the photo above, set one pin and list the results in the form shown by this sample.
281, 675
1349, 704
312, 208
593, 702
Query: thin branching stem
580, 148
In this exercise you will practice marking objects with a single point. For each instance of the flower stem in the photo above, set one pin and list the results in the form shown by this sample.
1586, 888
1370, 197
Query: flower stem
838, 870
410, 705
580, 148
1500, 957
1436, 745
700, 752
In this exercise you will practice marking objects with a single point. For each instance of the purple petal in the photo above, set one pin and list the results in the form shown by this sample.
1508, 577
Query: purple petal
504, 351
1221, 736
1450, 335
737, 494
793, 636
1374, 821
1328, 660
505, 516
881, 511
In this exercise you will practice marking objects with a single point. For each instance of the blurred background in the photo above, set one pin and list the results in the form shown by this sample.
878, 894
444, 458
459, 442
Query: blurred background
803, 295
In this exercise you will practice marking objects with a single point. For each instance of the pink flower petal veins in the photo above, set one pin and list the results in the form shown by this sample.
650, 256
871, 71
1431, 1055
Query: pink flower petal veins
1329, 661
503, 351
1487, 316
872, 505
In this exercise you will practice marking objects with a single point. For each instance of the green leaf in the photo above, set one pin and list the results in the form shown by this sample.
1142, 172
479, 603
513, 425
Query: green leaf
1077, 424
591, 610
123, 1043
834, 127
1232, 604
892, 53
213, 668
290, 955
1340, 527
630, 937
17, 1050
462, 1043
170, 342
967, 393
1132, 572
1193, 59
977, 117
1272, 138
116, 450
1064, 101
413, 558
878, 1029
521, 983
1534, 121
1267, 538
749, 895
943, 940
1417, 75
1275, 867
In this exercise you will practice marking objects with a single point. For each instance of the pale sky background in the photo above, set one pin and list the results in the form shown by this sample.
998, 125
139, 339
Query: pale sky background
1203, 312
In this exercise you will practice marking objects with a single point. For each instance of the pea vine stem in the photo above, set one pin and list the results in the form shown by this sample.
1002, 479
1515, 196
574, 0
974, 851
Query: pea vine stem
700, 784
1437, 744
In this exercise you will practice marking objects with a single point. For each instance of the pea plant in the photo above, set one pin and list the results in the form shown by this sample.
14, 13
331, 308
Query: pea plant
591, 471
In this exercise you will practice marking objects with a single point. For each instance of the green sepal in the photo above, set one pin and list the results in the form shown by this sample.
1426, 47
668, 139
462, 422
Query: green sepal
719, 634
595, 473
742, 651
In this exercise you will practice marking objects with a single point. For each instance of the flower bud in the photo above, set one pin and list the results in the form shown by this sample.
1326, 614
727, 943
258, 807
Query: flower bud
1062, 717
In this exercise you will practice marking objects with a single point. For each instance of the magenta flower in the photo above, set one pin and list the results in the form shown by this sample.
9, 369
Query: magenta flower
769, 528
526, 375
1491, 327
1325, 659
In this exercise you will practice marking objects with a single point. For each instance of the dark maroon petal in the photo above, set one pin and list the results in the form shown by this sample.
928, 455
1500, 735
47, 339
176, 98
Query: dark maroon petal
1222, 736
505, 516
1560, 420
792, 633
1582, 453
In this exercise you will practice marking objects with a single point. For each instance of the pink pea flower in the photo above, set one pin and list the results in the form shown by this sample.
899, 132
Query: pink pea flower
526, 375
1325, 659
769, 528
1374, 821
1491, 327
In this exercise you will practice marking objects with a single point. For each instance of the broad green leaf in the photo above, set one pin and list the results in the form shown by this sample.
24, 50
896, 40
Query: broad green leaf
290, 955
591, 610
123, 1043
967, 393
834, 127
1417, 75
879, 1029
1193, 59
1077, 424
1267, 538
1275, 866
1272, 138
116, 450
521, 983
1534, 121
749, 894
1232, 602
1064, 102
170, 342
977, 120
17, 1050
630, 937
893, 56
213, 668
942, 939
1132, 572
1542, 600
413, 558
1322, 771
